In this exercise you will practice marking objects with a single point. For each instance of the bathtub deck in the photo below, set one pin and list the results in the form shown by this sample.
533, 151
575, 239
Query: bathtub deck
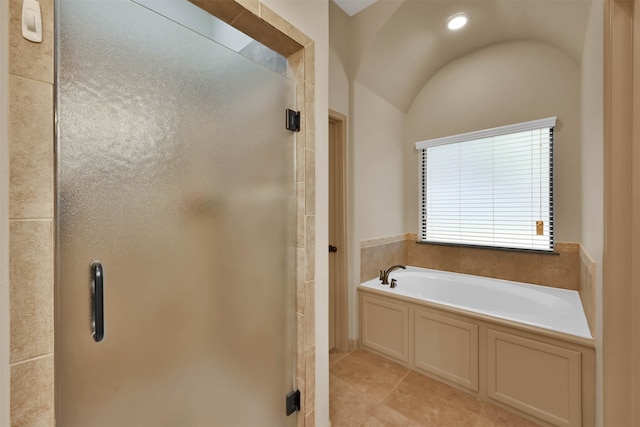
552, 309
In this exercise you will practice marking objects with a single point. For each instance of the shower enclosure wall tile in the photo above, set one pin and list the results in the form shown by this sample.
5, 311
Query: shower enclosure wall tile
32, 393
31, 196
227, 10
310, 182
310, 64
301, 387
300, 208
30, 148
300, 283
310, 241
310, 380
309, 107
252, 6
300, 154
300, 346
587, 287
284, 27
309, 313
262, 30
295, 68
28, 59
311, 419
31, 289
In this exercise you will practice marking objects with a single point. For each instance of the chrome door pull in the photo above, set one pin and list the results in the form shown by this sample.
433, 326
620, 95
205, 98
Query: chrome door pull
97, 301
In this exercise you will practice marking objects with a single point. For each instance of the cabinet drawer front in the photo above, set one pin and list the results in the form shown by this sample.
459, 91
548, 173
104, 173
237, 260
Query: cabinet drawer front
537, 378
385, 327
447, 347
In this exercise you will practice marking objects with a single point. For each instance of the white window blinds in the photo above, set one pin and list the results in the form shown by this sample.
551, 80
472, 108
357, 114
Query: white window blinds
489, 188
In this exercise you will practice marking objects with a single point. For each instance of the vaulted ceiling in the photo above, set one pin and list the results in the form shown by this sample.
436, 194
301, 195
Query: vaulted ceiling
396, 46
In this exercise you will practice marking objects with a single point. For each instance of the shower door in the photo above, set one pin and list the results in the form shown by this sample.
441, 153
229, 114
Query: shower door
176, 205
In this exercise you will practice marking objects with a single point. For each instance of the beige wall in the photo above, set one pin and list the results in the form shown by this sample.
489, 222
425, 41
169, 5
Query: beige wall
378, 187
351, 36
504, 83
375, 163
592, 170
375, 140
338, 84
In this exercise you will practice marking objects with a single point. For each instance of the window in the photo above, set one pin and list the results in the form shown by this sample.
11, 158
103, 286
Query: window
489, 188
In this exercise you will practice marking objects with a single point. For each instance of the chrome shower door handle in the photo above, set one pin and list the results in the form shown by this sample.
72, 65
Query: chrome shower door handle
97, 301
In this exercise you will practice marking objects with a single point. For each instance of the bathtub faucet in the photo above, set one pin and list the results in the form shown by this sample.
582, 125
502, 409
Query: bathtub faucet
384, 275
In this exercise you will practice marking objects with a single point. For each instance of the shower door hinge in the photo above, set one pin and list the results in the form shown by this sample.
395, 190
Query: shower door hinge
293, 402
293, 120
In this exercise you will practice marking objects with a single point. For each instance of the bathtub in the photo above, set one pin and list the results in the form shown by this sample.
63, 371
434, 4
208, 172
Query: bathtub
554, 309
520, 346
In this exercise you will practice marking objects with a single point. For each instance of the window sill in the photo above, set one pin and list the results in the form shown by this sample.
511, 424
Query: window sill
494, 248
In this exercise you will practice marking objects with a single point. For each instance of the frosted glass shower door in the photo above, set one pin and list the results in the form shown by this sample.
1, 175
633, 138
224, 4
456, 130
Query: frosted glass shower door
175, 174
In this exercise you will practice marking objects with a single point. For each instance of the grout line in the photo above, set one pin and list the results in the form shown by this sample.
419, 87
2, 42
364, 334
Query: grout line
341, 358
31, 79
477, 423
479, 413
31, 219
22, 362
386, 396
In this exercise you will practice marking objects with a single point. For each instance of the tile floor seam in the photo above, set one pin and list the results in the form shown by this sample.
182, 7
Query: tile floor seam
487, 415
479, 413
385, 397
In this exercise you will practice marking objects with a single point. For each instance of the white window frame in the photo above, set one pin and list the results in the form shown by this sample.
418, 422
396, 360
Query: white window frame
422, 147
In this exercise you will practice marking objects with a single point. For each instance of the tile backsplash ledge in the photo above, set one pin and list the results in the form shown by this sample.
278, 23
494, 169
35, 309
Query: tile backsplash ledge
562, 270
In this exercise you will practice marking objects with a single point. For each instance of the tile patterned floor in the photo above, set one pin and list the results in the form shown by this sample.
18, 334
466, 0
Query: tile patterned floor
370, 391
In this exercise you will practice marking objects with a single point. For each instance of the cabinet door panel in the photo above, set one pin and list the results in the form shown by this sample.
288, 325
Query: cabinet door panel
447, 347
537, 378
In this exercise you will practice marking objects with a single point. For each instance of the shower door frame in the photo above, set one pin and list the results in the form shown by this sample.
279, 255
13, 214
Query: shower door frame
265, 26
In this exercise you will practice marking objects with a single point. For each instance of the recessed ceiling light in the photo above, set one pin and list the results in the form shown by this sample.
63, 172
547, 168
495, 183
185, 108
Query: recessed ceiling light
457, 21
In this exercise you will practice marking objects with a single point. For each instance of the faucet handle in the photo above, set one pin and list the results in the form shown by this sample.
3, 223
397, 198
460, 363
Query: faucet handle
381, 274
394, 283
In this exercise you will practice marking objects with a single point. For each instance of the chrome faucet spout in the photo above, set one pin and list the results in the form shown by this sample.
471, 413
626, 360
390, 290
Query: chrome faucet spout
385, 276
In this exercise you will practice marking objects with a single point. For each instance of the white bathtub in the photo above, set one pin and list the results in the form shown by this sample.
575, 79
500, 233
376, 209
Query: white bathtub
540, 306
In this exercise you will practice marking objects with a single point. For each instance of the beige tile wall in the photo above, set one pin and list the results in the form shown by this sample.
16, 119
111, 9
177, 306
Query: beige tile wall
587, 287
301, 68
561, 269
31, 143
378, 254
31, 227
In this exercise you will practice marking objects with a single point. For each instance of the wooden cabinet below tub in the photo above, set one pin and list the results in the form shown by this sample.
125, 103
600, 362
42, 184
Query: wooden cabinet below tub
385, 327
534, 377
446, 347
545, 376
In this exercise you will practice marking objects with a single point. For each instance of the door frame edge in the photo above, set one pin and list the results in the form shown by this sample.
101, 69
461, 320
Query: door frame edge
342, 259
